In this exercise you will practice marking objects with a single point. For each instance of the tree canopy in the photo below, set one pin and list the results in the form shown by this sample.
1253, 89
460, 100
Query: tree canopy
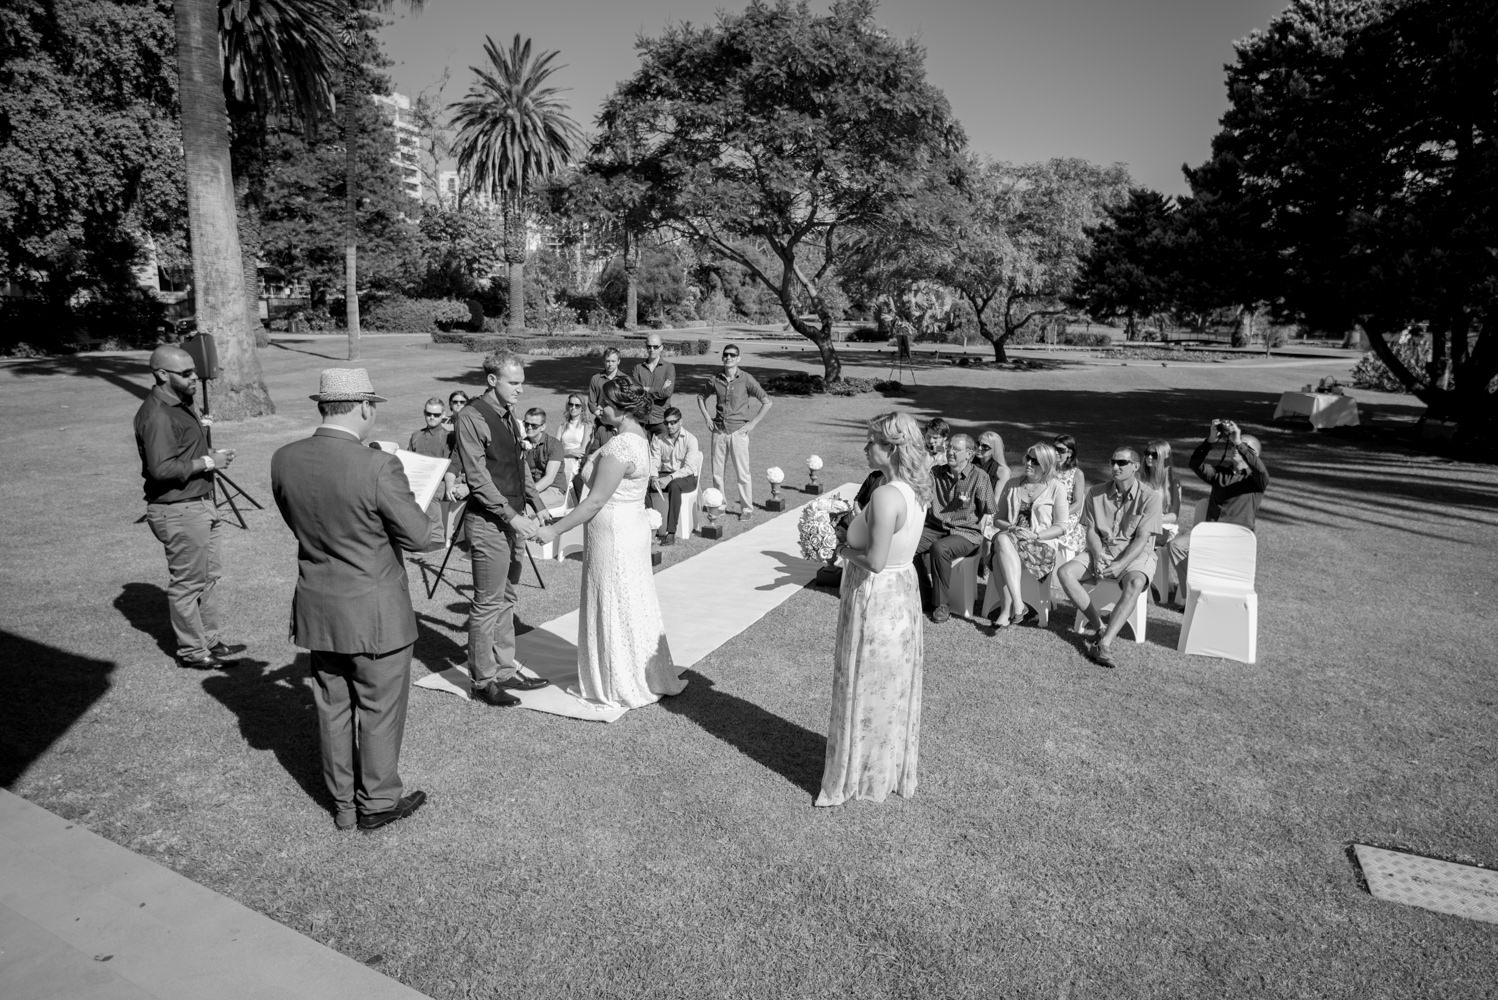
784, 130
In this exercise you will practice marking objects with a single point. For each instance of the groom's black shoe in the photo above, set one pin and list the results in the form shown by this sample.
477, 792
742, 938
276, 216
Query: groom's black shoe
405, 807
520, 682
493, 694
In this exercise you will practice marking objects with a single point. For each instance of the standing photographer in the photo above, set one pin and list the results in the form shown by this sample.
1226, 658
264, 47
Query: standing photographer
1228, 461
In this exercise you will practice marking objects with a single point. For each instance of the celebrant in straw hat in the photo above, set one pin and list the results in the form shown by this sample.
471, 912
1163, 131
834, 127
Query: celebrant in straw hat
352, 512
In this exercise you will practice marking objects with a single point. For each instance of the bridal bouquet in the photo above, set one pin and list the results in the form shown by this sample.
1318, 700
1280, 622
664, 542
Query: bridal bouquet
815, 531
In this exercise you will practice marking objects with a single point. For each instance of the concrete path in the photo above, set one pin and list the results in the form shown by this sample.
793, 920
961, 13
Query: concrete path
82, 918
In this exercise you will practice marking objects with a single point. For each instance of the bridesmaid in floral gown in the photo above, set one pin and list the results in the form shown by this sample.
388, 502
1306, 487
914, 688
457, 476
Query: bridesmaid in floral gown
873, 738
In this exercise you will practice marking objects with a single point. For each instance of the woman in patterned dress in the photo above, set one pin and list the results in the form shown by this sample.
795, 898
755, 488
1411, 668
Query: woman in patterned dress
1032, 519
623, 659
873, 738
1075, 480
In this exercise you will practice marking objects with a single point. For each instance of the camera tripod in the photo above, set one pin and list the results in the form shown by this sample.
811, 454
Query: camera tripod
225, 490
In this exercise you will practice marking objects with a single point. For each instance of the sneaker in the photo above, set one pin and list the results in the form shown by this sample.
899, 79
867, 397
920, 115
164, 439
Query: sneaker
1101, 655
941, 614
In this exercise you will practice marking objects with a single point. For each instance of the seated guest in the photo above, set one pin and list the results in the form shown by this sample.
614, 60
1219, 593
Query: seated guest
1160, 475
543, 454
431, 440
1238, 479
1071, 475
677, 460
455, 403
991, 460
937, 432
963, 497
1032, 517
575, 432
1121, 520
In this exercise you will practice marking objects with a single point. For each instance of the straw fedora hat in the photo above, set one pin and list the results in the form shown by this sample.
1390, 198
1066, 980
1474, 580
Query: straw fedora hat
345, 385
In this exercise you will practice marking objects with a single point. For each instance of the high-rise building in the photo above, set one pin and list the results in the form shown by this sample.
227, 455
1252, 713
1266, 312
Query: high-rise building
407, 141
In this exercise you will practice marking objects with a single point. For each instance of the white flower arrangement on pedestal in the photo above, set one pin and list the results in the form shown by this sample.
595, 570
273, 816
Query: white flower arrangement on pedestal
775, 475
712, 497
654, 518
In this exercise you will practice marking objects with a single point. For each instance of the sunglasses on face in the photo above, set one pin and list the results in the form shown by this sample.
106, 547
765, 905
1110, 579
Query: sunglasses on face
984, 447
184, 373
1119, 463
727, 355
457, 403
652, 347
431, 414
533, 427
574, 406
1151, 454
1031, 460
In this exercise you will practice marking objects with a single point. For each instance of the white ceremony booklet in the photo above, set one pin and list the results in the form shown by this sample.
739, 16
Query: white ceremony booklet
424, 473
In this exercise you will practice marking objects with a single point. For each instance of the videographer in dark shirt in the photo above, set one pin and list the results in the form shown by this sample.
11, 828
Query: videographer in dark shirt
1228, 461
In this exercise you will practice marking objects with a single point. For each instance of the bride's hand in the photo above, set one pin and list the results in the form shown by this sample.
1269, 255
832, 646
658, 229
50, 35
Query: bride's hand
545, 534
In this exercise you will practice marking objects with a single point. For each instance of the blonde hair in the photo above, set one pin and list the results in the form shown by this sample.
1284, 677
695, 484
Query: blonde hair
995, 446
1046, 460
908, 461
1160, 474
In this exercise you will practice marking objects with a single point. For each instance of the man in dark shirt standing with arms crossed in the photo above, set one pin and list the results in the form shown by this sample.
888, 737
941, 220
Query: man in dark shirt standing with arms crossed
658, 377
1239, 482
178, 469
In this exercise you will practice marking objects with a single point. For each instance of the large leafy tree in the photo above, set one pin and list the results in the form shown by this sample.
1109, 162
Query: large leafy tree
1130, 268
279, 52
90, 177
513, 133
1363, 132
780, 130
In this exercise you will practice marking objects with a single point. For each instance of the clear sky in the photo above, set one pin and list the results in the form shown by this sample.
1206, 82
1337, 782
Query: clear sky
1136, 81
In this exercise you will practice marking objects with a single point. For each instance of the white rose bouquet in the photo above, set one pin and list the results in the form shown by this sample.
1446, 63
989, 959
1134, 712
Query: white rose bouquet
653, 517
815, 531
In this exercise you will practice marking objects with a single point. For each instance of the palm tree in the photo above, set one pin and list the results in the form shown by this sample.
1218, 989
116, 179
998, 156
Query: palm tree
513, 133
272, 52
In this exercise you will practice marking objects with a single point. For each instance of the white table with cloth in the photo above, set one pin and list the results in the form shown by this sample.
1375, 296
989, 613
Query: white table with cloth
1322, 409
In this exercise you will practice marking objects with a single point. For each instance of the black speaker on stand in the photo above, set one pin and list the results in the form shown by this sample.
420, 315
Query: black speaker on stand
204, 353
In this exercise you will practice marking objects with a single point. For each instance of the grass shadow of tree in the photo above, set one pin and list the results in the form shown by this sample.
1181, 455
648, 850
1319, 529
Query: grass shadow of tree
44, 691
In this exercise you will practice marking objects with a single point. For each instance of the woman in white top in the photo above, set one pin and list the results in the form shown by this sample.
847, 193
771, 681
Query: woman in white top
873, 738
576, 434
1033, 517
1160, 475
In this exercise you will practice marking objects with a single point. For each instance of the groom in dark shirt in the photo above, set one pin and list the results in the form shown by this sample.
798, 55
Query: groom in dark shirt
490, 453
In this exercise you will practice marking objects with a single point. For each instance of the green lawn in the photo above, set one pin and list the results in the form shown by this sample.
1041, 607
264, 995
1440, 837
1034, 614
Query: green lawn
1175, 828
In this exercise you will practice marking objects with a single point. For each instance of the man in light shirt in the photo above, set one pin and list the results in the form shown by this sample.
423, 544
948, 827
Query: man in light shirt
677, 461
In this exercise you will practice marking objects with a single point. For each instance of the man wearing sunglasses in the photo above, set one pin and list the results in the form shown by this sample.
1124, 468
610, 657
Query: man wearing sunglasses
658, 377
431, 440
543, 453
731, 422
677, 460
1121, 519
178, 467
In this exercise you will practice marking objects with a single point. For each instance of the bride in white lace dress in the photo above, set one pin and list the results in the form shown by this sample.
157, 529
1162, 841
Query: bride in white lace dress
623, 659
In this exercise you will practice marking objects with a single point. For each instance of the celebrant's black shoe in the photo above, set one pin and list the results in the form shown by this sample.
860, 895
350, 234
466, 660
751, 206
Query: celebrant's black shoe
225, 650
206, 661
520, 682
405, 807
940, 614
493, 694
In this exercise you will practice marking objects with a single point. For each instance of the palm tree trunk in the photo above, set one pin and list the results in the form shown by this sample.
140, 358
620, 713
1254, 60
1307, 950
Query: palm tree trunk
218, 277
351, 201
515, 257
631, 282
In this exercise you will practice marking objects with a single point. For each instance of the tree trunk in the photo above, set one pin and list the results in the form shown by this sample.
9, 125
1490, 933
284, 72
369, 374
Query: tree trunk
1244, 331
515, 258
631, 283
217, 264
351, 205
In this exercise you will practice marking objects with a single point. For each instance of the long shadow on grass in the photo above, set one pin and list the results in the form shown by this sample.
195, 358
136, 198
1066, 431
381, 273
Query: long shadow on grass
129, 374
793, 752
276, 713
144, 606
43, 692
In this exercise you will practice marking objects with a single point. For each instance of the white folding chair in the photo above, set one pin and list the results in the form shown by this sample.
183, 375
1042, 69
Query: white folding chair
1034, 593
1105, 594
686, 521
1222, 607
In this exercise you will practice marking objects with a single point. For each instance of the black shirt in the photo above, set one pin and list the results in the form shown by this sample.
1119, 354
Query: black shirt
170, 437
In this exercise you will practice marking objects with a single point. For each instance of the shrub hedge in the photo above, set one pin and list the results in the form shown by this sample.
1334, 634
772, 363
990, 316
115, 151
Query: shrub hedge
566, 346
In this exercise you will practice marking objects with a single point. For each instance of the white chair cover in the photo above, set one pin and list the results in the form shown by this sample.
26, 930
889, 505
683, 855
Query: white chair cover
1222, 607
1105, 595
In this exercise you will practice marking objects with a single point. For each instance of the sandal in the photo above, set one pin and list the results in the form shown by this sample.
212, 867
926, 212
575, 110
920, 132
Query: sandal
1020, 618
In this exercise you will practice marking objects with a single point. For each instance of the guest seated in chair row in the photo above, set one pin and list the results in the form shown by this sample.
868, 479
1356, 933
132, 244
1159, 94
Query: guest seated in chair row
543, 455
963, 497
1160, 475
575, 431
1033, 516
677, 460
938, 433
992, 461
1227, 460
1121, 519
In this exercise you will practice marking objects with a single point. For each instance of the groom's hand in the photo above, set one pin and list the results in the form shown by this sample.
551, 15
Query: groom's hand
523, 527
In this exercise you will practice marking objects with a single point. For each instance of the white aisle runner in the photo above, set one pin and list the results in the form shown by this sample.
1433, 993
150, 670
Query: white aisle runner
705, 601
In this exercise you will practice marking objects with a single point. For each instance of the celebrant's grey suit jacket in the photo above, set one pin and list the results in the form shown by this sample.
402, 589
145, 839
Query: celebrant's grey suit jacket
352, 512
